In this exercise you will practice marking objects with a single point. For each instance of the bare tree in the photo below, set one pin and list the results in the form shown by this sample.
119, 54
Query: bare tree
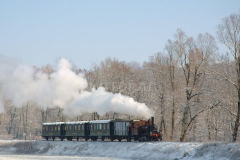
158, 68
229, 35
193, 58
172, 65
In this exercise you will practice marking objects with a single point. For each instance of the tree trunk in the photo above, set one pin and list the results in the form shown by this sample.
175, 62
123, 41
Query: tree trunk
185, 121
235, 130
173, 120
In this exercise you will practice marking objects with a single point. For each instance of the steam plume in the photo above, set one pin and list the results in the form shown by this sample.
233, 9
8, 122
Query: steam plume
101, 102
21, 84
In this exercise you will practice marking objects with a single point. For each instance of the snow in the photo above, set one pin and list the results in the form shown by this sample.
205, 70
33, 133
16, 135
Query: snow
100, 121
119, 150
34, 157
77, 122
56, 123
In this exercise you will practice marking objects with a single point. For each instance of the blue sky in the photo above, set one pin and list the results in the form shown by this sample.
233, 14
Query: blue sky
38, 32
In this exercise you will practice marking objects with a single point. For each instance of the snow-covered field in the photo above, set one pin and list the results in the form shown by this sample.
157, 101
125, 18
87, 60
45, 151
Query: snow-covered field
16, 149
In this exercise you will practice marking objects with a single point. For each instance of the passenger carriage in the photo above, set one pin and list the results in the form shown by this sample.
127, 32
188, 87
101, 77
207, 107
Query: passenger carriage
76, 130
100, 129
53, 130
109, 129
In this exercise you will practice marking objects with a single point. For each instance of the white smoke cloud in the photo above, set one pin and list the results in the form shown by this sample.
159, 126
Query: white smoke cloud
101, 102
21, 84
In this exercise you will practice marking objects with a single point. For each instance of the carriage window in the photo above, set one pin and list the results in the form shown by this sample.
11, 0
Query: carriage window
100, 126
43, 128
83, 127
91, 126
56, 128
103, 126
79, 127
107, 126
59, 128
75, 127
46, 128
70, 127
95, 126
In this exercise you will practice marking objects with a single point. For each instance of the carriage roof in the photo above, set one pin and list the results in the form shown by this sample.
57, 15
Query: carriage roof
100, 121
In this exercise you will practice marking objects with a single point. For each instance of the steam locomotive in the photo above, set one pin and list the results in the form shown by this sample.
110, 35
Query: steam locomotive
119, 129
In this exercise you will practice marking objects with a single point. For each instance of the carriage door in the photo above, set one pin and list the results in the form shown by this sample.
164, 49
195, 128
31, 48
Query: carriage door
63, 129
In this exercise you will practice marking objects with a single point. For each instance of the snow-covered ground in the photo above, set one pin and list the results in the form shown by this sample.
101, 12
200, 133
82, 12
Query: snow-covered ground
16, 149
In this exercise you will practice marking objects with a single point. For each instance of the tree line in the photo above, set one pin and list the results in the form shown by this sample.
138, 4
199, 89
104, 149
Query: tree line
193, 88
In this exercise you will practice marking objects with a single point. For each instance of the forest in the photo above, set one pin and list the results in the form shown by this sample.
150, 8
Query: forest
193, 88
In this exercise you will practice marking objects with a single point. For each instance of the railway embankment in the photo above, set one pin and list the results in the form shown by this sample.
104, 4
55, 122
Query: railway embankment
123, 150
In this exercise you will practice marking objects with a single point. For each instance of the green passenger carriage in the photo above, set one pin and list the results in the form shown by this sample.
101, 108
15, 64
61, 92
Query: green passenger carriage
100, 129
76, 130
53, 130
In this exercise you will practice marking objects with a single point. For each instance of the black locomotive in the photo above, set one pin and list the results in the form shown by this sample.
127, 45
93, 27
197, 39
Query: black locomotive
138, 130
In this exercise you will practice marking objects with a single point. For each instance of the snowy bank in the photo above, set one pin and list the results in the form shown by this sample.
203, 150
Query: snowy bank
124, 150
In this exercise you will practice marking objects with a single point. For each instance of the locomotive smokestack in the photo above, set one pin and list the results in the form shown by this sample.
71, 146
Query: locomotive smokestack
152, 122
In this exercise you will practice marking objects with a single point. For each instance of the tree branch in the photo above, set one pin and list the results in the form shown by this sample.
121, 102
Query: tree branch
228, 110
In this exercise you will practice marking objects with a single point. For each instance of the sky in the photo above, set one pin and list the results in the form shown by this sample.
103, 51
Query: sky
87, 32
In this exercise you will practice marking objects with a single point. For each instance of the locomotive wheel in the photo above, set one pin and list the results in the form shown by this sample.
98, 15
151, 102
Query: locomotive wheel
111, 139
86, 139
119, 140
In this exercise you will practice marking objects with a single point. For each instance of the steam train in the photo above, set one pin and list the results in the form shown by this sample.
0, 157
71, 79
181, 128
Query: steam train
137, 130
